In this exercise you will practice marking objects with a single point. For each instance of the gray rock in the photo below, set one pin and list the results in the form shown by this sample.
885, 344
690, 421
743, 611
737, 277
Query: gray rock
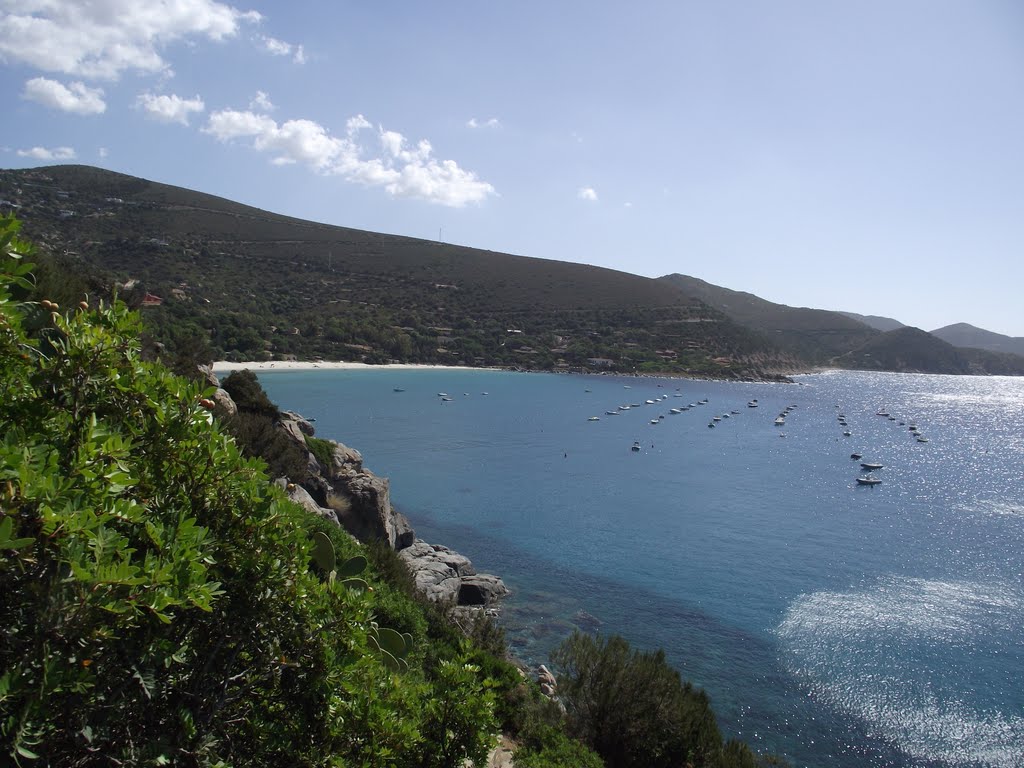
304, 426
223, 404
481, 589
207, 374
437, 570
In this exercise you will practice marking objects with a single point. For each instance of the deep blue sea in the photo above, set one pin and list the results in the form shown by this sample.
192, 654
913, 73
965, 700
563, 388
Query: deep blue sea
837, 624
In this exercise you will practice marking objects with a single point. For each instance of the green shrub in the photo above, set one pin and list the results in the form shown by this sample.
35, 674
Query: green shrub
323, 450
550, 747
632, 708
158, 604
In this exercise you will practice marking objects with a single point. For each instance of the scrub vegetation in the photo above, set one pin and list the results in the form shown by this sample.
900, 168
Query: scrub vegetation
165, 604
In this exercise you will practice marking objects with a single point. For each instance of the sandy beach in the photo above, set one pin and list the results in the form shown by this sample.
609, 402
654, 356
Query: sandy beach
268, 366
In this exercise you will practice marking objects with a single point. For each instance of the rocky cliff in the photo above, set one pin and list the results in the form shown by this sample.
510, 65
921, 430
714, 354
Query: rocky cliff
339, 488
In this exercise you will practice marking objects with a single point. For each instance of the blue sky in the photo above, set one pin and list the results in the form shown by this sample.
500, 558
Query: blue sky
862, 156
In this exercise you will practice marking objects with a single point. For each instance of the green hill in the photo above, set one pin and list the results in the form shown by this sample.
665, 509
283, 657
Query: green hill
254, 285
815, 335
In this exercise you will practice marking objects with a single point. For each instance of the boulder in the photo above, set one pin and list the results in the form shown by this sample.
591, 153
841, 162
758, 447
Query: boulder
301, 496
441, 574
481, 589
301, 424
223, 405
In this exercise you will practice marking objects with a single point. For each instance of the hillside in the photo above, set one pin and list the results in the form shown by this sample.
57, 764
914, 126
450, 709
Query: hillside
816, 335
242, 283
877, 322
911, 350
966, 335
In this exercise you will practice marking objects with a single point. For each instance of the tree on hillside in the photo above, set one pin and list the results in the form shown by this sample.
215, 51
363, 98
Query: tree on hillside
634, 709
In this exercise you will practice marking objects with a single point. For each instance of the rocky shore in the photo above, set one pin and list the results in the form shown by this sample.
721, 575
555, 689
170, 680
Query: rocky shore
346, 493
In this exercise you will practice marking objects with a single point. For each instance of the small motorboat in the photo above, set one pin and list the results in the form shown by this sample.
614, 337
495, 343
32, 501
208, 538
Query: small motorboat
711, 425
855, 455
611, 413
780, 421
868, 480
636, 446
655, 421
398, 389
922, 439
869, 466
594, 418
847, 433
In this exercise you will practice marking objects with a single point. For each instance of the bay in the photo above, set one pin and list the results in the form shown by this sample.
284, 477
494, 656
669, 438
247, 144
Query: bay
834, 623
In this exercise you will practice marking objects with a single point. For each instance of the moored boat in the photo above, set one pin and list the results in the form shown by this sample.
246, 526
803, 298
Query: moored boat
868, 480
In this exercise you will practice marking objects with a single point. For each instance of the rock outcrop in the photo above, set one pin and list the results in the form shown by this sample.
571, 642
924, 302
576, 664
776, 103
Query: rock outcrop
360, 500
338, 488
445, 576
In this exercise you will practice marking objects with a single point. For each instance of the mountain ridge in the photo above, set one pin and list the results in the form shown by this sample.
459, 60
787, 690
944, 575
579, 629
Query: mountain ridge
219, 279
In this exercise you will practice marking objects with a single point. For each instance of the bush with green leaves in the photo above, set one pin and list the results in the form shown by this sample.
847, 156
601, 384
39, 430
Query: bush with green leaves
158, 602
634, 709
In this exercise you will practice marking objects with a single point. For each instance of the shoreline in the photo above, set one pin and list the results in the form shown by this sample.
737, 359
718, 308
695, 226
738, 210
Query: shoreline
269, 366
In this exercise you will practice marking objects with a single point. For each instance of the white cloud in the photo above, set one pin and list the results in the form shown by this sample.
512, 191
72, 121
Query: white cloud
587, 193
401, 170
103, 152
75, 97
42, 153
627, 205
170, 108
281, 48
103, 39
262, 102
492, 123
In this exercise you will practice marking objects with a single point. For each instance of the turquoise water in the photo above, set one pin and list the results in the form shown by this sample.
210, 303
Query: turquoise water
837, 624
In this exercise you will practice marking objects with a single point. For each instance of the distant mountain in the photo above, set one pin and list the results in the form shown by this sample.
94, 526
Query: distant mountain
876, 321
965, 335
250, 285
816, 335
911, 350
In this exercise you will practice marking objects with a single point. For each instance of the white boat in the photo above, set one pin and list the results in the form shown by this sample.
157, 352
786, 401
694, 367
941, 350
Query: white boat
594, 418
869, 466
442, 394
623, 407
398, 389
648, 402
847, 433
675, 410
868, 480
654, 421
922, 439
752, 404
635, 446
716, 418
446, 399
779, 421
611, 413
